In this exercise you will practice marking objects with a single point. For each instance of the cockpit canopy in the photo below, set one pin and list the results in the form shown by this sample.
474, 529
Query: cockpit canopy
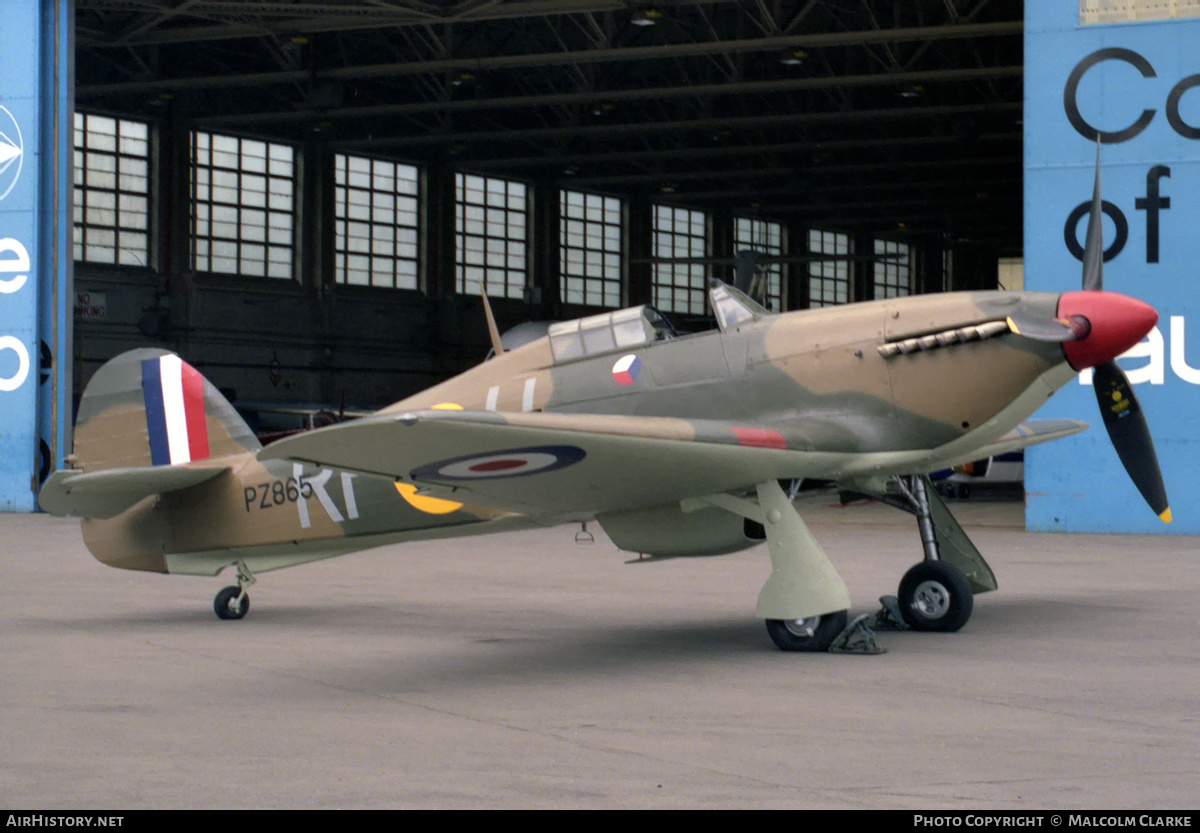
637, 326
608, 332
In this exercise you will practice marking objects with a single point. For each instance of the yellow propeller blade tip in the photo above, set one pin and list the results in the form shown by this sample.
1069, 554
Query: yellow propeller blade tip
1165, 515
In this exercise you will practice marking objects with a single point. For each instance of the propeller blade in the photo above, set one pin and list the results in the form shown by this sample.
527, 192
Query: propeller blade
1093, 250
745, 265
1130, 436
748, 278
1040, 328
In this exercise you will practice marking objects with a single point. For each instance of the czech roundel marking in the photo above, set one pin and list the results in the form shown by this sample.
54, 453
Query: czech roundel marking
627, 369
513, 462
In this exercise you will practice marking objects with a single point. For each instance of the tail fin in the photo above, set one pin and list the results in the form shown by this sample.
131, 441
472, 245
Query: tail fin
150, 408
147, 424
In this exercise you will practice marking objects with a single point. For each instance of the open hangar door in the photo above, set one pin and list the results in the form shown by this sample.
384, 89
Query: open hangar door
35, 261
873, 148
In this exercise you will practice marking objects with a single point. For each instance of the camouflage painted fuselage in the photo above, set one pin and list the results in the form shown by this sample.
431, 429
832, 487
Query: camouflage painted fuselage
820, 370
900, 385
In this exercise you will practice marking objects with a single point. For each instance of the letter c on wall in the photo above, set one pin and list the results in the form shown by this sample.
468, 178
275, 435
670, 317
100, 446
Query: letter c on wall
1071, 105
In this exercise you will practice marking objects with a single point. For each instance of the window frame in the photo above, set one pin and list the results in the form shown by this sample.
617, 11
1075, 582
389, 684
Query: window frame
92, 199
829, 280
592, 239
218, 203
380, 249
487, 244
892, 274
686, 235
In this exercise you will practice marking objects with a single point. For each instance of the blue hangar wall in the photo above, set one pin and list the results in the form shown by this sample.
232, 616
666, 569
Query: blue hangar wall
36, 152
1138, 85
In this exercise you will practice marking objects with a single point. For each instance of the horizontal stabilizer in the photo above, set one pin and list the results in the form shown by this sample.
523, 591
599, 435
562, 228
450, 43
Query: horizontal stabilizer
103, 494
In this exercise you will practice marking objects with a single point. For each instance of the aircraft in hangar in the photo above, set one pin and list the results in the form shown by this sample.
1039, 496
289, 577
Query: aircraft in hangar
676, 445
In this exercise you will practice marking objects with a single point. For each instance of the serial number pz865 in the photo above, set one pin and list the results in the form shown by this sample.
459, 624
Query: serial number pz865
276, 493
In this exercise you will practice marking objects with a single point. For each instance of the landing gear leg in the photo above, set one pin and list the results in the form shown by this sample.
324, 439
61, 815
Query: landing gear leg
938, 595
804, 601
234, 602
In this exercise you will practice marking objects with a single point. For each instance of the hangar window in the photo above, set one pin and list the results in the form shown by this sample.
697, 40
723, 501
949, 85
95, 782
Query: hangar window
112, 190
893, 269
766, 237
243, 206
491, 233
680, 233
376, 222
828, 280
590, 248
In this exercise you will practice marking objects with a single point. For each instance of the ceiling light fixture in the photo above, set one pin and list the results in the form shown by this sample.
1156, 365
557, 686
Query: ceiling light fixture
645, 17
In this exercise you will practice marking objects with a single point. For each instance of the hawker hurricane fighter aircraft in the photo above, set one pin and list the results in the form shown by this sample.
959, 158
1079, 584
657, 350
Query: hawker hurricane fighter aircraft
676, 445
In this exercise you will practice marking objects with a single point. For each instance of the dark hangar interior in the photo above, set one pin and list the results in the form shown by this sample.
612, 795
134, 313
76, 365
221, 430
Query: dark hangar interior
304, 199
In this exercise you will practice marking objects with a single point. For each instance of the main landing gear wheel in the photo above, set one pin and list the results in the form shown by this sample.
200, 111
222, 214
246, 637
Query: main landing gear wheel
935, 596
227, 606
813, 634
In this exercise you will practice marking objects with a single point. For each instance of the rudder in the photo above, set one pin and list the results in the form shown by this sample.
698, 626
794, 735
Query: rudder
148, 407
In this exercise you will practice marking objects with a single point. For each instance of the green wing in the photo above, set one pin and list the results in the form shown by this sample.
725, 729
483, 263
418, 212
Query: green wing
583, 464
558, 463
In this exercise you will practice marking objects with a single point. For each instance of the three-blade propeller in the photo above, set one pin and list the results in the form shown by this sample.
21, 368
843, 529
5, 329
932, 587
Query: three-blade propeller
1119, 408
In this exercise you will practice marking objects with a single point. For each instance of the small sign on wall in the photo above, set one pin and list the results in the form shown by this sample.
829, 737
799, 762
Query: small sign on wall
91, 306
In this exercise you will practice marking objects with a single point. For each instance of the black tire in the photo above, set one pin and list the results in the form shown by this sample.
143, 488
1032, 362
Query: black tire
935, 596
223, 604
806, 634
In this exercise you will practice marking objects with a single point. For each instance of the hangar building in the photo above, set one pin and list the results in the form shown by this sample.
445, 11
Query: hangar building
305, 200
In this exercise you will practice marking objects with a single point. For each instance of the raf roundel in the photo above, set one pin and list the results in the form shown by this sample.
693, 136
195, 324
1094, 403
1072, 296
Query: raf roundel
513, 462
627, 369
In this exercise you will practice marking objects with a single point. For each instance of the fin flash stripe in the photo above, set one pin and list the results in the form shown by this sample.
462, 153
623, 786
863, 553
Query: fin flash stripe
173, 392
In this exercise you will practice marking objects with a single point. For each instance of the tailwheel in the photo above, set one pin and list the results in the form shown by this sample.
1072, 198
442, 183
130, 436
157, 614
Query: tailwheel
231, 603
935, 596
234, 602
815, 633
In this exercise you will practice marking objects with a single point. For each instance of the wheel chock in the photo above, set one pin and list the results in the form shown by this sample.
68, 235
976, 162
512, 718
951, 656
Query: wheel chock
889, 617
857, 638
